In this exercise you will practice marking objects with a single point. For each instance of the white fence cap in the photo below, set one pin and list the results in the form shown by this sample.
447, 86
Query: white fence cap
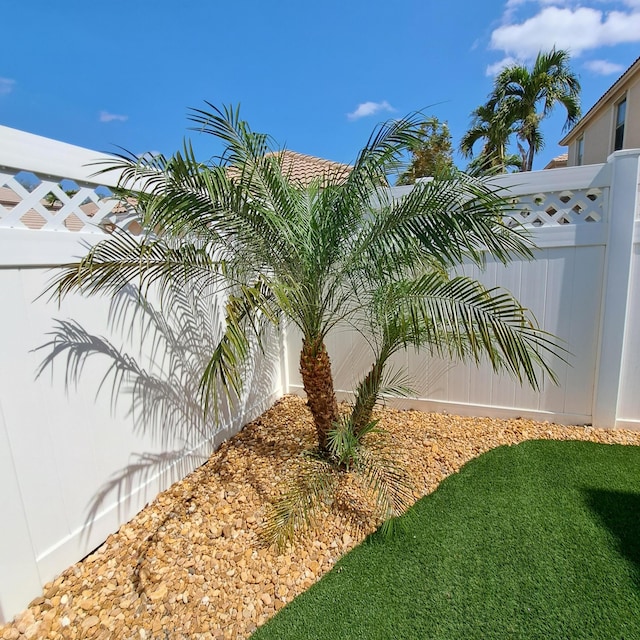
44, 156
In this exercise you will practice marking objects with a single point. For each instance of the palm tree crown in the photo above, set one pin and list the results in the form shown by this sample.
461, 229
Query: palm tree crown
521, 91
494, 125
339, 251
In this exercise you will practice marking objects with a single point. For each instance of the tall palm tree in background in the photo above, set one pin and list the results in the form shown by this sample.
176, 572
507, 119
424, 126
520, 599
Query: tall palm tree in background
493, 125
338, 252
522, 91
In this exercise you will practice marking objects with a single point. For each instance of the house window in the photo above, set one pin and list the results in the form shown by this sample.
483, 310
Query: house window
621, 111
579, 151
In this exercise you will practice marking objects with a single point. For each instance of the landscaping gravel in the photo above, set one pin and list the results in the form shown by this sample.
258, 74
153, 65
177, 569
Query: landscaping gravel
191, 564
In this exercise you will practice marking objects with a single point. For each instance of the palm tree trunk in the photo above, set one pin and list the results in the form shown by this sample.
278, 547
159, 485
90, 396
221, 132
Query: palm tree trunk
530, 154
315, 368
366, 396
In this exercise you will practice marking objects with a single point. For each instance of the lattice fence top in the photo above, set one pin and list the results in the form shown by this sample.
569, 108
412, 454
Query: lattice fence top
31, 202
575, 207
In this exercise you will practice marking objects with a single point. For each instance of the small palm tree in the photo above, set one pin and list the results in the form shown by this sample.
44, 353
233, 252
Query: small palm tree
520, 91
340, 251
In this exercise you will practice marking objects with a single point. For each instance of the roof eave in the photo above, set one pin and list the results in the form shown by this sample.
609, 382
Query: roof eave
603, 98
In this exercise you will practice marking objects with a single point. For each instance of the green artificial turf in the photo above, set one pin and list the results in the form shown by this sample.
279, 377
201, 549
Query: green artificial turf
539, 540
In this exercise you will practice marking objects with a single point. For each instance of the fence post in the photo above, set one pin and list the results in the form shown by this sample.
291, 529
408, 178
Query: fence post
623, 201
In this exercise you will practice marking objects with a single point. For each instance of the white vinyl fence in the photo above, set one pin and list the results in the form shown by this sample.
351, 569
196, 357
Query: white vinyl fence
583, 286
75, 463
80, 455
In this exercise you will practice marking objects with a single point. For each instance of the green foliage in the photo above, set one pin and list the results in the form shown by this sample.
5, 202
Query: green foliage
311, 490
538, 540
52, 199
431, 154
345, 442
493, 125
340, 252
523, 91
520, 100
361, 458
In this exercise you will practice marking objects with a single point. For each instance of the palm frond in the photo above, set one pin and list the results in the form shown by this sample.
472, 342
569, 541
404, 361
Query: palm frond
441, 223
319, 482
123, 258
309, 493
249, 311
463, 320
549, 82
388, 482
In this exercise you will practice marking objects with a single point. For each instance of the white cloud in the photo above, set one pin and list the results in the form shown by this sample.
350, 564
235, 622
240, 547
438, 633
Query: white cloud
576, 29
105, 116
6, 86
495, 68
511, 7
604, 67
368, 109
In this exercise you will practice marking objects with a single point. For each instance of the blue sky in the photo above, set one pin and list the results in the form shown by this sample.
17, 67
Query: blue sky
316, 76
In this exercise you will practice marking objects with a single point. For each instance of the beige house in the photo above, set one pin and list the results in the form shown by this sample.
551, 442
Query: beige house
613, 123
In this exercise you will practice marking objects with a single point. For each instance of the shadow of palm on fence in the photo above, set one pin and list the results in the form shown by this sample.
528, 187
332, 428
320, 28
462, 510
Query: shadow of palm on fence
158, 382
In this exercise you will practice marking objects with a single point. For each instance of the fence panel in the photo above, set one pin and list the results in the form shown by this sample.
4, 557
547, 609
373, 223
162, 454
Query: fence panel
566, 212
75, 463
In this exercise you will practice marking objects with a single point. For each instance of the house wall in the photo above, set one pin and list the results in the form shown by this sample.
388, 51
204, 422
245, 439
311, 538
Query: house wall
598, 143
632, 126
598, 131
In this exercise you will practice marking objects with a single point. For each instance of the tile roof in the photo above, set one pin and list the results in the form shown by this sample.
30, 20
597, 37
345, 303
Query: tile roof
558, 162
9, 197
303, 169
